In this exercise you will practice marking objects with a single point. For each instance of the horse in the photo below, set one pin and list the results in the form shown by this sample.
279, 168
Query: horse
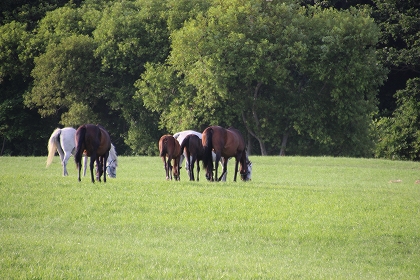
180, 136
63, 141
94, 141
170, 148
192, 146
225, 143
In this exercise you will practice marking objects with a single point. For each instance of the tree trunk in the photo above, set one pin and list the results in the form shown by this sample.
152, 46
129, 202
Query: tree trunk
284, 143
249, 149
2, 148
256, 121
262, 147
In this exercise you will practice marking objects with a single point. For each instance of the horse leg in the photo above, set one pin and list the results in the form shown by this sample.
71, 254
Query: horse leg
236, 169
198, 170
165, 166
222, 162
104, 159
98, 170
169, 173
61, 154
192, 167
80, 169
225, 161
218, 156
177, 168
188, 159
92, 163
64, 163
85, 158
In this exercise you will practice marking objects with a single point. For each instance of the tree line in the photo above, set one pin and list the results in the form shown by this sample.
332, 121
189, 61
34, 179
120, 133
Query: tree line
337, 77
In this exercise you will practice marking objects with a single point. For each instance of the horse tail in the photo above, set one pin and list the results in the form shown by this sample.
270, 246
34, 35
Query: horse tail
208, 146
79, 145
163, 149
53, 145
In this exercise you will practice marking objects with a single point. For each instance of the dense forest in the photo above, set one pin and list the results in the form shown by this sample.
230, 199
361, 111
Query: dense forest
333, 77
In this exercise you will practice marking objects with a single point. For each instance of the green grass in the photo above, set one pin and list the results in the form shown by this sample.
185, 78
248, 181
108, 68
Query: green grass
299, 218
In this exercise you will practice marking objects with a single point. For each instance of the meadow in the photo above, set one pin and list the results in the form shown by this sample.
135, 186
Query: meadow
299, 218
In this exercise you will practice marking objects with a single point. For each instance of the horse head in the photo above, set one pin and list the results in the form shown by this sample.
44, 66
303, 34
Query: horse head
175, 169
111, 168
246, 170
112, 163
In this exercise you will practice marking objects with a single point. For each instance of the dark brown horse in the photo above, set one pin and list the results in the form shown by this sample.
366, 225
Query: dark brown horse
94, 141
195, 152
225, 143
170, 148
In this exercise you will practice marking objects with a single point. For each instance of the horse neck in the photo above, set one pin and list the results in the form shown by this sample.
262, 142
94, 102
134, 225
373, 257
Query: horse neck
112, 155
243, 162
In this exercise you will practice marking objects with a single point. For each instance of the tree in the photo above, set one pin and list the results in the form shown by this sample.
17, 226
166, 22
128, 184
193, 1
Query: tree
277, 68
129, 35
399, 135
66, 81
20, 129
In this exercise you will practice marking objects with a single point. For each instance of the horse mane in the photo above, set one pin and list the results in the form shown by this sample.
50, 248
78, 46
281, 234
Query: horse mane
208, 146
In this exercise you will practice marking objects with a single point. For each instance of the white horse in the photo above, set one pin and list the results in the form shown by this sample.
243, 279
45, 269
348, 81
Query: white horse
63, 141
180, 136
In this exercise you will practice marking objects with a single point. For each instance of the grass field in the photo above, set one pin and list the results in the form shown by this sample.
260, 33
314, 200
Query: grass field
299, 218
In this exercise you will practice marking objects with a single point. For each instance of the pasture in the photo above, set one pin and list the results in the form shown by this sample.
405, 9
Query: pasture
299, 218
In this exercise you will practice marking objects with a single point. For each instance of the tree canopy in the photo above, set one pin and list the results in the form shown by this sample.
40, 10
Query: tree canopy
299, 77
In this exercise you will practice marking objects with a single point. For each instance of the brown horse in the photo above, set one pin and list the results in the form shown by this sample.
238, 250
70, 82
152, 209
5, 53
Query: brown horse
225, 143
195, 152
169, 147
94, 141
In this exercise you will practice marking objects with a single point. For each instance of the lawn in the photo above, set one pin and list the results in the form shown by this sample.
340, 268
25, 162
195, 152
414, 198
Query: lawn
299, 218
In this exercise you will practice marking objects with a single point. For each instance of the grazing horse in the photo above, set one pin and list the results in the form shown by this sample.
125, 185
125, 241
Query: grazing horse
169, 147
192, 146
63, 141
94, 141
225, 143
180, 136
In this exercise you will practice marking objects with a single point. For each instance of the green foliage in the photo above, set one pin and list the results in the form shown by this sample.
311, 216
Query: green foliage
277, 68
127, 37
145, 67
66, 74
399, 135
342, 74
319, 218
13, 40
28, 12
400, 22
